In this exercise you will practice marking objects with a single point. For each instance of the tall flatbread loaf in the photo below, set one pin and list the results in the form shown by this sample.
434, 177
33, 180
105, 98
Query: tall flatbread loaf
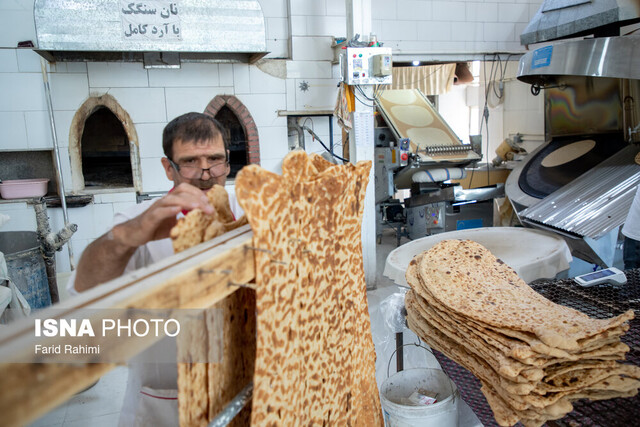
315, 361
468, 279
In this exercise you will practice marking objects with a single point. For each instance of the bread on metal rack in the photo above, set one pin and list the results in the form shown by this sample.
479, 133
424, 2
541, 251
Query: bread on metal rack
532, 356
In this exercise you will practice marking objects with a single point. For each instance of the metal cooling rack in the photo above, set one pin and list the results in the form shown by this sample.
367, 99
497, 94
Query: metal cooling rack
601, 302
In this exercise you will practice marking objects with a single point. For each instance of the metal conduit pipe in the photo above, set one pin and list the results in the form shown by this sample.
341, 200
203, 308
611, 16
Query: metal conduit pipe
56, 150
292, 124
234, 407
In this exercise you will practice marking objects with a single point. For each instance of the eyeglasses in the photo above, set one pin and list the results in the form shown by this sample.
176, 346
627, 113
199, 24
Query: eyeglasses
216, 169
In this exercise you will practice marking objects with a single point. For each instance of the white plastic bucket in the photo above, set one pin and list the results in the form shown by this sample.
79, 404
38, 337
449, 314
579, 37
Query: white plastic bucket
399, 386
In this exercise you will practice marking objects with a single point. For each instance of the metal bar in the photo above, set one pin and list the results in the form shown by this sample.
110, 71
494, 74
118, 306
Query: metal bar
399, 353
331, 134
234, 407
56, 150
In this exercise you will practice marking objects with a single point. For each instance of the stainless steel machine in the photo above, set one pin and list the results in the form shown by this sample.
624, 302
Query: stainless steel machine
580, 183
419, 152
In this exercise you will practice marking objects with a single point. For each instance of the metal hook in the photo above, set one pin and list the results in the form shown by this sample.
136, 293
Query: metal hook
241, 285
259, 250
202, 271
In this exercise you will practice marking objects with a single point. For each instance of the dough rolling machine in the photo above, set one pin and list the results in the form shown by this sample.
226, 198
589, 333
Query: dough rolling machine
420, 152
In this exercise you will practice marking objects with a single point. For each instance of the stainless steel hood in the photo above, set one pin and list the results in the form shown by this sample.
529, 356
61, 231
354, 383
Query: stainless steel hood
561, 19
617, 57
160, 32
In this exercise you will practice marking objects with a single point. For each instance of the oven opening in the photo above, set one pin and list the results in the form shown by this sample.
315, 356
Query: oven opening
236, 138
106, 154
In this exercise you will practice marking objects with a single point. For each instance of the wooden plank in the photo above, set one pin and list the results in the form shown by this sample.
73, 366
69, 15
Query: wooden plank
117, 288
194, 278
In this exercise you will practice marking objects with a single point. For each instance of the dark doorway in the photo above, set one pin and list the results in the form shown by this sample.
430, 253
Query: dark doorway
236, 137
106, 156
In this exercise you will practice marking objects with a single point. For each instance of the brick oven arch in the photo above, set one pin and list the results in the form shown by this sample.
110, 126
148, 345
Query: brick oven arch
245, 119
76, 130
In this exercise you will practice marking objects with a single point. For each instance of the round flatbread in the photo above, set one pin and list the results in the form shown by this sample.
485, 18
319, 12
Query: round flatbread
429, 137
400, 96
413, 115
568, 153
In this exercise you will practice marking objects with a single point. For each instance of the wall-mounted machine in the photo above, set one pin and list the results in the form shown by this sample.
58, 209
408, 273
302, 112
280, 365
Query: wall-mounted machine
420, 152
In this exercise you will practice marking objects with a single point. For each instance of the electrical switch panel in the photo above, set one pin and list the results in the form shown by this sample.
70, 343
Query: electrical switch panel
366, 65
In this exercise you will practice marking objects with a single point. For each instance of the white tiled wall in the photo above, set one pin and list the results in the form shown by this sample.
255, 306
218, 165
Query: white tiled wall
16, 22
154, 177
38, 130
144, 105
403, 24
189, 75
13, 131
117, 74
22, 217
180, 100
8, 61
149, 139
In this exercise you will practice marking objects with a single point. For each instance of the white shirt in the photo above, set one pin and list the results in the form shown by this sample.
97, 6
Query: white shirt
151, 394
631, 228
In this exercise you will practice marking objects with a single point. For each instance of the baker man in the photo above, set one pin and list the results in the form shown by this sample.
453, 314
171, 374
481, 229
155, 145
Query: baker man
197, 157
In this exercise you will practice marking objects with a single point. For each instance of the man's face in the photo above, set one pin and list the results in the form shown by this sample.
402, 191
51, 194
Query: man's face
193, 158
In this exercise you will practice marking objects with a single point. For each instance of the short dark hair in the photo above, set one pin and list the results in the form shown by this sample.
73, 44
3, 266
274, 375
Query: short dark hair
192, 127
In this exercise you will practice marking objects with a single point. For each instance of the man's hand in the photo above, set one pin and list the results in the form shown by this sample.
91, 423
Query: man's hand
156, 222
106, 257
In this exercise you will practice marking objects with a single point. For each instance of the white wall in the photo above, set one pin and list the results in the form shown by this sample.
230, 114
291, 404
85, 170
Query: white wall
452, 26
298, 75
516, 111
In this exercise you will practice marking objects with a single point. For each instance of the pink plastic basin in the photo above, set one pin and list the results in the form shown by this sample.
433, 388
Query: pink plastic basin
23, 188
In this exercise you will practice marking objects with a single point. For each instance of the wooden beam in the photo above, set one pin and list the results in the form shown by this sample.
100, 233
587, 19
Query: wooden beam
196, 278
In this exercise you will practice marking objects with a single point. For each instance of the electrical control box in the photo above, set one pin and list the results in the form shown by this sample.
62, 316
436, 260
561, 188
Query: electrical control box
381, 65
366, 65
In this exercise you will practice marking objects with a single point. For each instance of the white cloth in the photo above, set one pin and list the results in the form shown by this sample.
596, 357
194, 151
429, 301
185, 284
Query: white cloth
10, 296
157, 407
631, 227
151, 386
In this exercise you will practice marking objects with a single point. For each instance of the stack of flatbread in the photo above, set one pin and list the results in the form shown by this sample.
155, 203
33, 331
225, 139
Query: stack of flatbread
197, 227
532, 356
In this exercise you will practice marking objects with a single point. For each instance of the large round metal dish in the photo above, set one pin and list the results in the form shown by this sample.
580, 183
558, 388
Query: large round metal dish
533, 254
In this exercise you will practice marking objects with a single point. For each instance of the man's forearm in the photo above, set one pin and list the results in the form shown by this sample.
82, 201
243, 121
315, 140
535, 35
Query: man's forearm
104, 259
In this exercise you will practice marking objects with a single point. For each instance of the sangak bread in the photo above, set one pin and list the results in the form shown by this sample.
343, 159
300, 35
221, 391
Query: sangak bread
533, 357
315, 361
197, 227
468, 279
